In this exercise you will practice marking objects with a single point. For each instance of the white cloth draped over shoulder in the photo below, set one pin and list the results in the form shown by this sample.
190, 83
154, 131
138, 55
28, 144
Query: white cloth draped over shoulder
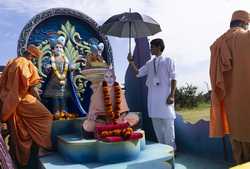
160, 70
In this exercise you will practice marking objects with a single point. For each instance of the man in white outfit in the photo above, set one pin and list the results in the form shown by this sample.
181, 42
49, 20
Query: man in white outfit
161, 83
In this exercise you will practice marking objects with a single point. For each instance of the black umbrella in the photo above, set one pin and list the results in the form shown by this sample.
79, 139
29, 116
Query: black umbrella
130, 24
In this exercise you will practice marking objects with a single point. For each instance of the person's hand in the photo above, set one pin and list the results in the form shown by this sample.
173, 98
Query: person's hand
130, 58
4, 129
39, 91
3, 126
170, 99
34, 92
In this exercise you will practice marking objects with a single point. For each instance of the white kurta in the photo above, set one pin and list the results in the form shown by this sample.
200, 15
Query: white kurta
163, 72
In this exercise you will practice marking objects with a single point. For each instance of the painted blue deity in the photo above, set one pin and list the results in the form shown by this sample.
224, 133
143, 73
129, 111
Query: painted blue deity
57, 90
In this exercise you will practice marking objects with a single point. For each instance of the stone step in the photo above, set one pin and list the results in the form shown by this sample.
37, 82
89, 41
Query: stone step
77, 150
156, 156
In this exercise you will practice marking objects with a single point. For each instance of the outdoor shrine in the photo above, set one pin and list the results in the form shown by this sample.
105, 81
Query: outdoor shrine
93, 127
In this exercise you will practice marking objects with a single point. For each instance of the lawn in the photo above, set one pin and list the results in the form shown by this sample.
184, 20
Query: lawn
195, 114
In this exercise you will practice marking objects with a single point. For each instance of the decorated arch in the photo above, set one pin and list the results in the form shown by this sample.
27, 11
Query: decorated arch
79, 31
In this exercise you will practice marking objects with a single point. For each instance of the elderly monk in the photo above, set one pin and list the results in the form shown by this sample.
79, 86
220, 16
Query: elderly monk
230, 80
29, 122
98, 108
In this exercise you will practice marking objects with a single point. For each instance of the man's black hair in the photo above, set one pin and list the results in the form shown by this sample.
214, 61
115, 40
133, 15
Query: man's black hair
237, 23
158, 43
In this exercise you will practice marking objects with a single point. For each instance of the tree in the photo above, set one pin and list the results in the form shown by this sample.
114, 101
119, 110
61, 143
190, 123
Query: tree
187, 97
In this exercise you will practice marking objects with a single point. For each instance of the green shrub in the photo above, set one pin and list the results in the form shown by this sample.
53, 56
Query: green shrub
188, 97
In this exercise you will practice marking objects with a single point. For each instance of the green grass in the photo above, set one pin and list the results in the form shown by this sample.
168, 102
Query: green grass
195, 114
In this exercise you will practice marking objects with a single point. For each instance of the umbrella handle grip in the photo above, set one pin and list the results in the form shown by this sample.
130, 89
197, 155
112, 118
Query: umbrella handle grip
130, 57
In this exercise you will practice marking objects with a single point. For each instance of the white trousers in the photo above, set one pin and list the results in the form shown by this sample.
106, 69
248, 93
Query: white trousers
164, 130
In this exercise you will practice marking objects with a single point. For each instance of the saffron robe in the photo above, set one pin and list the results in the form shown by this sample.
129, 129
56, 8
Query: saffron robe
230, 81
28, 120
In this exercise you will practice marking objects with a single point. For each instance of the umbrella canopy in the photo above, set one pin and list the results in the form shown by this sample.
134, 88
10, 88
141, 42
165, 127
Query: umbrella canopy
130, 24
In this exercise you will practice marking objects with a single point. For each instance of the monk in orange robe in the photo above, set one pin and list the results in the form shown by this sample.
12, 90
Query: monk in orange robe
29, 122
230, 80
97, 105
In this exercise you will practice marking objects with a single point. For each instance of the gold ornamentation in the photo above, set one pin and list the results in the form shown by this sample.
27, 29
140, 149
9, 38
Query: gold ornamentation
61, 77
64, 116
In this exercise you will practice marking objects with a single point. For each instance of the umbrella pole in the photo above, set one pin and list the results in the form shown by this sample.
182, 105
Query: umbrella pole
129, 43
129, 37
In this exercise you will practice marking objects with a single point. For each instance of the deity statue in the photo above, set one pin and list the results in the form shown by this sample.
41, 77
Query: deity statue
94, 58
58, 90
108, 106
96, 66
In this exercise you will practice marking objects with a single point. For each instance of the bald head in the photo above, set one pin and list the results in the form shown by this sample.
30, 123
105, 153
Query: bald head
241, 15
240, 18
32, 52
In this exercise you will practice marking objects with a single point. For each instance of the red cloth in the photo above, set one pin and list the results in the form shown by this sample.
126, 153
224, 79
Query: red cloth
113, 139
106, 127
135, 136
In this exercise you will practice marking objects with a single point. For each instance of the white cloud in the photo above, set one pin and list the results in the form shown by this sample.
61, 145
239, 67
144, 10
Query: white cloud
188, 27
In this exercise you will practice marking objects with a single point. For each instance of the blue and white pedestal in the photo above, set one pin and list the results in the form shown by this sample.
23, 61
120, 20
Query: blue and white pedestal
154, 156
75, 149
75, 152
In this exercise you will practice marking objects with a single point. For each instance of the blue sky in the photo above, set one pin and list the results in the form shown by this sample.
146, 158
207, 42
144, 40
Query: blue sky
189, 27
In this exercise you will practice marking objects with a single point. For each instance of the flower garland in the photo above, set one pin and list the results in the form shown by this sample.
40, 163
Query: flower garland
125, 133
61, 77
112, 114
